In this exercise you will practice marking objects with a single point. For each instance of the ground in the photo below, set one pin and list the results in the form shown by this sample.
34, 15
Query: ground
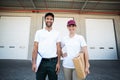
21, 70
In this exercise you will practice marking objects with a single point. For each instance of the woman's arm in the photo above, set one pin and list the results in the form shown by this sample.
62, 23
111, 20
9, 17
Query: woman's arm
87, 64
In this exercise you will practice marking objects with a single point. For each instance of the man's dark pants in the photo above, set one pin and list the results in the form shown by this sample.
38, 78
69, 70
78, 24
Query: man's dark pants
47, 67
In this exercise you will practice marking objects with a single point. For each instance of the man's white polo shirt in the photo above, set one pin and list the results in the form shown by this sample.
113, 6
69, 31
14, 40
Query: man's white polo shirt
47, 42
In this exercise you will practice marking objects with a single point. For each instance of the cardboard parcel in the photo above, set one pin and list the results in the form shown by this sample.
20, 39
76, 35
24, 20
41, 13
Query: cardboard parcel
79, 63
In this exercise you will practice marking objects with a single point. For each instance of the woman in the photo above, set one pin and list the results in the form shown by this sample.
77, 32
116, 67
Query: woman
72, 45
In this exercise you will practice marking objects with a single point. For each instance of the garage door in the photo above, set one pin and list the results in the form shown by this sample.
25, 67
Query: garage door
101, 39
14, 37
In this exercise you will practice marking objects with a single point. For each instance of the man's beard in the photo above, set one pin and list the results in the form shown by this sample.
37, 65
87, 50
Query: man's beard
48, 24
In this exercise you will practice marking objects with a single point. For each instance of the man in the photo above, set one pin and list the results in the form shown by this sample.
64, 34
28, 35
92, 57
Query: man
47, 44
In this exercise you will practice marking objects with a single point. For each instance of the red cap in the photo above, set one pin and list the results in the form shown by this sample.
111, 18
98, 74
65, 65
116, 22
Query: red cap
71, 22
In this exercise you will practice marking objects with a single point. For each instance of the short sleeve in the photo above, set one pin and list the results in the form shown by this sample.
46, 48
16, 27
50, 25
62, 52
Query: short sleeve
83, 42
36, 37
58, 38
63, 45
62, 42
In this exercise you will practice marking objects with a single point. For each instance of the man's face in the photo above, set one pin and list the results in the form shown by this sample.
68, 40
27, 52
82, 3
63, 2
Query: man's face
49, 21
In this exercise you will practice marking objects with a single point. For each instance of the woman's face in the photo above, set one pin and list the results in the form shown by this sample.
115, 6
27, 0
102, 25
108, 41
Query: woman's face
71, 28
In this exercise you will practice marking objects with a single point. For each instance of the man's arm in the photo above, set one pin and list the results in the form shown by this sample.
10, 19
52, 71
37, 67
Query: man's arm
59, 56
34, 56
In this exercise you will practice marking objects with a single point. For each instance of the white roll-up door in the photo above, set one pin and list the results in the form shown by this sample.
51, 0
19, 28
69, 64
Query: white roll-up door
101, 39
14, 37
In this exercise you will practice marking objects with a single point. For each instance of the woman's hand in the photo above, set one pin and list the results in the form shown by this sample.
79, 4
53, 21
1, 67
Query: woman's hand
64, 55
87, 71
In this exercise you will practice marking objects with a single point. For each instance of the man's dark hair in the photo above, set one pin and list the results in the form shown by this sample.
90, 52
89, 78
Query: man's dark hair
49, 14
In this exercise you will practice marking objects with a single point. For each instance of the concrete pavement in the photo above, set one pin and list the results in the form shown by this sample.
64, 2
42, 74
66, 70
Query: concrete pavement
21, 70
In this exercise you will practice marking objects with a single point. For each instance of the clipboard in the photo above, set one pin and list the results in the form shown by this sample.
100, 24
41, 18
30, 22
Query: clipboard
38, 61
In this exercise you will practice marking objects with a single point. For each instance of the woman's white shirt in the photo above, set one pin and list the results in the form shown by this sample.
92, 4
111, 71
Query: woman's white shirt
72, 46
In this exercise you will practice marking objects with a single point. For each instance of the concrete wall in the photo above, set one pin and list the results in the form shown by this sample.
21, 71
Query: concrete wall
36, 23
117, 31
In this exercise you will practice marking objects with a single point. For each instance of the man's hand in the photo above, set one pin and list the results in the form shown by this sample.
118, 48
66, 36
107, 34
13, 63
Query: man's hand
57, 68
34, 67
